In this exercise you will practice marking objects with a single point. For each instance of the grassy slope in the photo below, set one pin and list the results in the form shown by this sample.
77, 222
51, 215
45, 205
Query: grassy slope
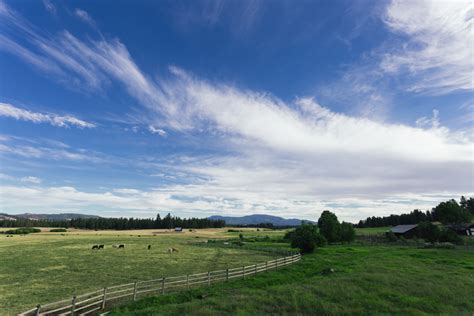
41, 268
368, 280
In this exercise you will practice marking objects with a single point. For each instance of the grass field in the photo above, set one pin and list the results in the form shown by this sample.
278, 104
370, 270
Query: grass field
367, 280
44, 267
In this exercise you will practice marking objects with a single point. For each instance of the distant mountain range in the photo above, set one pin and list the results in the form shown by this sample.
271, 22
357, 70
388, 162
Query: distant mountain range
243, 220
259, 219
49, 217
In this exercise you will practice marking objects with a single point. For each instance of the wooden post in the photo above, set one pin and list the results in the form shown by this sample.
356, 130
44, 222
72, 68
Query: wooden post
227, 275
255, 269
38, 308
284, 261
208, 278
276, 263
266, 266
104, 298
163, 286
135, 291
187, 281
243, 272
73, 305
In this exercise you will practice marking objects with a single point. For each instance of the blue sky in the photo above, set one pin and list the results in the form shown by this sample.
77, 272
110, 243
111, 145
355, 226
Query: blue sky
123, 108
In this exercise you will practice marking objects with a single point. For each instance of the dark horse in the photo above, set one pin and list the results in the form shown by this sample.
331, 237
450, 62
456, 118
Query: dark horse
95, 247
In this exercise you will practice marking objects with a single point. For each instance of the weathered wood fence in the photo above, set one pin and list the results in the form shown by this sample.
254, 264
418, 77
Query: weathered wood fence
92, 302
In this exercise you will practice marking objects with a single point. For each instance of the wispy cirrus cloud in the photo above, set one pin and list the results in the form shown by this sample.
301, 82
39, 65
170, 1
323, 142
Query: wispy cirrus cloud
9, 110
85, 17
438, 56
275, 156
49, 6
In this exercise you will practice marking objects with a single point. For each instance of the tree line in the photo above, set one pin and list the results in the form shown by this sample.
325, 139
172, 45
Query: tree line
446, 212
122, 223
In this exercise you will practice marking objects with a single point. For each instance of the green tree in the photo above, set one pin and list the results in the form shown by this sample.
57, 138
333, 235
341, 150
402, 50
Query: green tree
428, 231
347, 232
451, 212
467, 204
307, 238
329, 226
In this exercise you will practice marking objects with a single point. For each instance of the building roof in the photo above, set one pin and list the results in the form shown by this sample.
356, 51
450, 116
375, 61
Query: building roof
401, 229
460, 226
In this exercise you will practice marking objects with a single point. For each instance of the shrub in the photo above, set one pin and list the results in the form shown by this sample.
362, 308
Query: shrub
58, 230
391, 236
23, 230
307, 238
347, 232
447, 235
233, 231
241, 236
428, 231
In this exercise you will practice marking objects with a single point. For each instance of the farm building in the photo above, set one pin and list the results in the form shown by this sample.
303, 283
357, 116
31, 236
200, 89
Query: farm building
407, 231
466, 229
178, 229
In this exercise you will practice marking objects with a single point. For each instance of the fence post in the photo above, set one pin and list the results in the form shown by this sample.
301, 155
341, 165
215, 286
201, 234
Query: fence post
73, 305
266, 266
163, 286
104, 298
255, 269
135, 291
227, 275
187, 281
276, 263
208, 277
243, 272
38, 308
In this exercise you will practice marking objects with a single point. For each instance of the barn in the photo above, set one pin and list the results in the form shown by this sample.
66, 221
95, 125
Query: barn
406, 231
465, 229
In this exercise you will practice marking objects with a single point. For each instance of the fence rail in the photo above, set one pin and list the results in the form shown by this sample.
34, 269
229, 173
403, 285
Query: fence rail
89, 303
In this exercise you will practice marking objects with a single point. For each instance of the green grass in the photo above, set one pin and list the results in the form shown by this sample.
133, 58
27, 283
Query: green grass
42, 268
367, 280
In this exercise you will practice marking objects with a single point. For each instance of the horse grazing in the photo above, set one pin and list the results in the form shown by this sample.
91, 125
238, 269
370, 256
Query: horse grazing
101, 246
121, 246
149, 247
95, 247
170, 250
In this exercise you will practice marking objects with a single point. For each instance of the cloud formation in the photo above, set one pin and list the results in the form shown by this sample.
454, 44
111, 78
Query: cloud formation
9, 110
438, 56
279, 157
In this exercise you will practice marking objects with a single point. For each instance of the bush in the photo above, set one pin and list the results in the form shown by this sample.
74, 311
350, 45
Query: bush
391, 236
307, 238
347, 232
58, 230
428, 231
23, 231
447, 235
233, 231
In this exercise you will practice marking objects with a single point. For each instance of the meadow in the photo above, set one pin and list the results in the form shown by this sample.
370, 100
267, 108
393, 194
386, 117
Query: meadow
45, 267
367, 280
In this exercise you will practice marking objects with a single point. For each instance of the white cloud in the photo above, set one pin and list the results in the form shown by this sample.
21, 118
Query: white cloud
31, 179
438, 55
49, 6
85, 17
278, 157
155, 130
9, 110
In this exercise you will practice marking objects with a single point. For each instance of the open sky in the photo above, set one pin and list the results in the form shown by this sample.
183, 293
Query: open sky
129, 108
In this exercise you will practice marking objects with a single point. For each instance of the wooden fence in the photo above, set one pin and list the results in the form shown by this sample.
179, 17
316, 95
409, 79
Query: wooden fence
92, 302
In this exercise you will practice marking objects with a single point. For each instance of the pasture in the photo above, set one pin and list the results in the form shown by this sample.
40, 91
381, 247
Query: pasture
367, 280
44, 267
